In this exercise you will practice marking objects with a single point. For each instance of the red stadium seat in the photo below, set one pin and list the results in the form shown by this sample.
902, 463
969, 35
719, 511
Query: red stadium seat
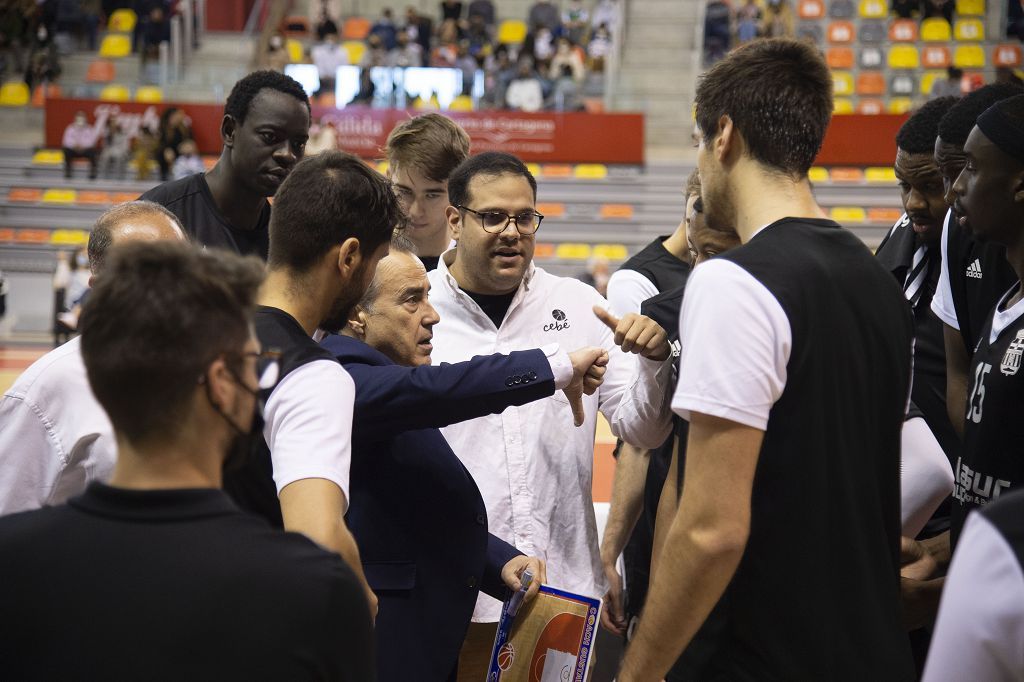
811, 9
841, 32
870, 106
870, 83
903, 31
839, 58
936, 57
1006, 54
100, 71
355, 28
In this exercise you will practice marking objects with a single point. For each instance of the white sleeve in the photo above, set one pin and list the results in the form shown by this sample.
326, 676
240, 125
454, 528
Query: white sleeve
309, 425
561, 365
627, 289
31, 456
979, 634
926, 477
942, 300
736, 341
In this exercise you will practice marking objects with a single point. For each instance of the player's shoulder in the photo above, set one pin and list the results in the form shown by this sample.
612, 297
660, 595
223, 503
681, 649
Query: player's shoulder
175, 191
62, 368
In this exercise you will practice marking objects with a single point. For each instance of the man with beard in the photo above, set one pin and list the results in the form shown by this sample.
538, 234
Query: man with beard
795, 365
264, 129
333, 218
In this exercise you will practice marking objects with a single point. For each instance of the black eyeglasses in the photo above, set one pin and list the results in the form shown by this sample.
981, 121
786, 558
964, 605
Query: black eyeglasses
495, 222
268, 367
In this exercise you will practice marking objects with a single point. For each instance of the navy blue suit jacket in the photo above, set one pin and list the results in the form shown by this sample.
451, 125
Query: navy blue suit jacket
415, 511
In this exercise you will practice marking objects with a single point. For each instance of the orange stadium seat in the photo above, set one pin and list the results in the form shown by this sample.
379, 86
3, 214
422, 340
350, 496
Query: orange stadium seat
969, 57
873, 9
936, 30
551, 210
1006, 54
32, 236
842, 105
903, 31
903, 57
935, 57
616, 211
975, 7
884, 215
543, 250
870, 58
356, 28
6, 234
94, 197
100, 71
847, 174
870, 106
839, 58
556, 170
28, 194
870, 83
969, 29
121, 197
842, 83
297, 27
900, 105
810, 9
840, 32
44, 92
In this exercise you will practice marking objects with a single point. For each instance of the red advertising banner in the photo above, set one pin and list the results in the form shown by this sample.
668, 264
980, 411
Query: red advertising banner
541, 137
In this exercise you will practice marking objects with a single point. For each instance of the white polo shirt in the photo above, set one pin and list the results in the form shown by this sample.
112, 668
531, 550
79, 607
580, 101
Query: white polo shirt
533, 467
55, 438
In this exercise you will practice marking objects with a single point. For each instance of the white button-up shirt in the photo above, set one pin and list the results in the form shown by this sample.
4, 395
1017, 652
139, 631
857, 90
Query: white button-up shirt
533, 467
54, 437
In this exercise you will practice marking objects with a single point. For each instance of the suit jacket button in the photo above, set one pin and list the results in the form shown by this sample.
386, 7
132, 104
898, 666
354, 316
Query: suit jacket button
509, 381
533, 375
472, 581
517, 380
481, 519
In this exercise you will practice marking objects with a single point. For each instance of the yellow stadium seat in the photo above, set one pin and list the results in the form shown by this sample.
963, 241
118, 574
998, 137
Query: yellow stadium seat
842, 105
842, 83
969, 57
973, 7
14, 94
611, 251
903, 57
60, 196
929, 79
512, 32
115, 46
969, 29
848, 214
382, 167
294, 48
873, 9
880, 175
572, 251
534, 169
355, 49
818, 174
462, 103
48, 157
122, 21
149, 94
115, 93
591, 171
69, 237
935, 30
900, 105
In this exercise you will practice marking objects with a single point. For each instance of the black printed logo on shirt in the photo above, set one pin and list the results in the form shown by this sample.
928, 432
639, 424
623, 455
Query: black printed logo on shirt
560, 322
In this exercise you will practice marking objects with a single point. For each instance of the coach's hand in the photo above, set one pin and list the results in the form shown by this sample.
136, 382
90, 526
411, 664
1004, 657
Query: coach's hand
513, 571
588, 367
637, 334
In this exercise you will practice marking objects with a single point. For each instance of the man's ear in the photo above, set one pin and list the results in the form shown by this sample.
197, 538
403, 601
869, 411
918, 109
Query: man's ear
220, 384
725, 141
228, 126
357, 323
454, 217
349, 257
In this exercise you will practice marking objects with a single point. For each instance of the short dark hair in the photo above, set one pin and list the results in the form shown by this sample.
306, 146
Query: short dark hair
431, 143
326, 199
917, 134
161, 313
246, 89
692, 184
486, 163
778, 93
102, 234
956, 125
400, 243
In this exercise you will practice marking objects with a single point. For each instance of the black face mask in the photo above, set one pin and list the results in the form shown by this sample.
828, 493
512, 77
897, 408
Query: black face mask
246, 442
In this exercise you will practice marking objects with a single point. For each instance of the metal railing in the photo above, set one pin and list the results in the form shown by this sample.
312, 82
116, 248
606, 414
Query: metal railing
614, 62
187, 29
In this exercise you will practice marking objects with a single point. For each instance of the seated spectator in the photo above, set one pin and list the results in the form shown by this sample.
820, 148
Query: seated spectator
374, 55
952, 86
478, 36
566, 57
175, 128
419, 28
779, 20
43, 63
72, 17
716, 30
276, 57
72, 277
483, 9
117, 144
451, 10
145, 152
599, 48
605, 13
748, 22
79, 142
576, 21
153, 32
170, 354
565, 92
544, 14
499, 71
188, 162
467, 64
905, 9
322, 138
328, 55
525, 92
540, 45
385, 28
14, 38
447, 50
406, 53
939, 8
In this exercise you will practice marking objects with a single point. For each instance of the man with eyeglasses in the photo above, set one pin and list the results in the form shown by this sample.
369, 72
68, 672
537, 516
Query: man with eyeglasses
159, 560
533, 467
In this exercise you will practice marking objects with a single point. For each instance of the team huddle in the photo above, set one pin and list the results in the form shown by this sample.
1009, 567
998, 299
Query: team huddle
327, 439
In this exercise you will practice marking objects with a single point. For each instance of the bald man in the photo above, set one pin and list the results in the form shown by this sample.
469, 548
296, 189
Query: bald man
54, 437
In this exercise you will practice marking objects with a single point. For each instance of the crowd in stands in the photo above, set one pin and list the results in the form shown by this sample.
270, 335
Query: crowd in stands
557, 63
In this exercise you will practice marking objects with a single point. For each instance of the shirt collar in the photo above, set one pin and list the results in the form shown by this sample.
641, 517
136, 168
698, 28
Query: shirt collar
153, 505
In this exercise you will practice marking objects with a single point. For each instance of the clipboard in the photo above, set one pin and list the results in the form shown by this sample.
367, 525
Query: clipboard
549, 640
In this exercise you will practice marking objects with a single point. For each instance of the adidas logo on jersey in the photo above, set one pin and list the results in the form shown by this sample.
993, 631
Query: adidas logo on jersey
974, 269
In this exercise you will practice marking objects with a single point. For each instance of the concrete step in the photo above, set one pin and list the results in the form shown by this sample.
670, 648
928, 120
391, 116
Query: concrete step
640, 79
642, 54
665, 9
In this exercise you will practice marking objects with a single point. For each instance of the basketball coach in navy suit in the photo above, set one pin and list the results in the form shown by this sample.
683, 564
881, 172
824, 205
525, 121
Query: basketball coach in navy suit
415, 511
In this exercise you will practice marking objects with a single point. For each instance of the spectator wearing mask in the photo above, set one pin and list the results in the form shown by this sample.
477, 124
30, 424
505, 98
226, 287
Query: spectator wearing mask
188, 162
598, 49
80, 141
113, 159
43, 62
168, 348
264, 130
524, 92
567, 56
576, 21
56, 438
328, 56
606, 13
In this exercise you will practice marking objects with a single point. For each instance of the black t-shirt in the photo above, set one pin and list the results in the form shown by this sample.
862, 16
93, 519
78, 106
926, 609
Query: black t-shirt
430, 262
992, 462
173, 585
494, 305
658, 265
190, 199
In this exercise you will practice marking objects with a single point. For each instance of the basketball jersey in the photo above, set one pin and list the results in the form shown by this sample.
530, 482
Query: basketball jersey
992, 462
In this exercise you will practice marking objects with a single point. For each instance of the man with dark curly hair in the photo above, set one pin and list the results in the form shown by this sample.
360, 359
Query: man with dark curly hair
265, 128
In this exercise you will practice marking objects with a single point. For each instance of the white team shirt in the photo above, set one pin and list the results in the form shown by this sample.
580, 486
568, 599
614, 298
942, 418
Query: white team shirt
309, 425
942, 299
533, 467
55, 438
627, 289
979, 634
